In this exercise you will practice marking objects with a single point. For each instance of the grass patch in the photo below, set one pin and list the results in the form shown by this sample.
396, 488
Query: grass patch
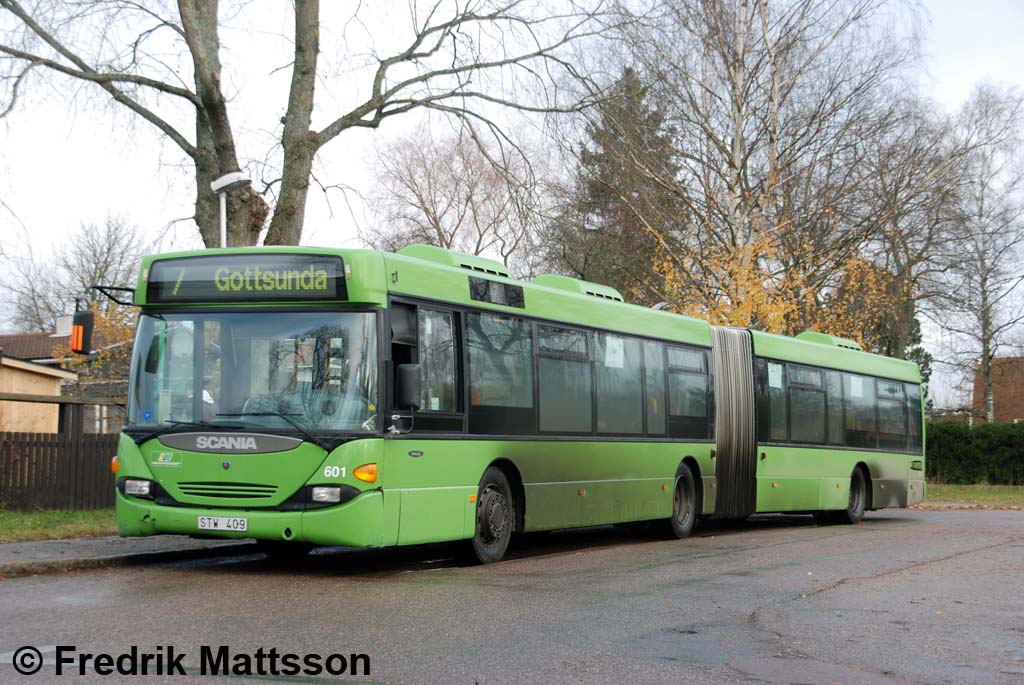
20, 525
979, 494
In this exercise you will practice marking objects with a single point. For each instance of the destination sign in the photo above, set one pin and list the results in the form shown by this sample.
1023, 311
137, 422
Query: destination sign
247, 277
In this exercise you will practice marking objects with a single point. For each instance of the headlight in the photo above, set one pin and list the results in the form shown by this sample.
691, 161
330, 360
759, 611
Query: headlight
326, 494
138, 488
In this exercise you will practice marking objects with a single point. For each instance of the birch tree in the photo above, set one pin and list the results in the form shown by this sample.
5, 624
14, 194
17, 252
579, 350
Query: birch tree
100, 254
447, 190
982, 308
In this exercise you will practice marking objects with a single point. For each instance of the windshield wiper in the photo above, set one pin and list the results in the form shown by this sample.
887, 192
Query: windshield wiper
171, 425
294, 424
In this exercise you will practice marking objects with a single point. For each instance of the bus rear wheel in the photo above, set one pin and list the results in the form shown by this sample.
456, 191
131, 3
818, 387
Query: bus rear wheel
495, 518
858, 499
858, 503
684, 506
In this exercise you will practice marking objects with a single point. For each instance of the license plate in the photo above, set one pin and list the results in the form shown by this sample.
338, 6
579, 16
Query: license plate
229, 523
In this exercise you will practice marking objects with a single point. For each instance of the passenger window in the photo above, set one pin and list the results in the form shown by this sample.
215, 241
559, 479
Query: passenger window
654, 376
914, 416
562, 341
565, 395
777, 402
620, 399
834, 383
683, 358
859, 410
500, 350
807, 402
437, 361
565, 381
687, 394
892, 419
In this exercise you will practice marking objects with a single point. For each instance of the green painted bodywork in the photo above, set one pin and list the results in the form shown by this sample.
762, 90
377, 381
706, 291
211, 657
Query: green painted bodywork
425, 485
806, 352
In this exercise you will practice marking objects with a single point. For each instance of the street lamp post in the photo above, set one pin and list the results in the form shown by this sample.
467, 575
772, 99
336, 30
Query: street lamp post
233, 180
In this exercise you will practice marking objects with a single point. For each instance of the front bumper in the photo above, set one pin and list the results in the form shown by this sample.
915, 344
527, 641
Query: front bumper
357, 523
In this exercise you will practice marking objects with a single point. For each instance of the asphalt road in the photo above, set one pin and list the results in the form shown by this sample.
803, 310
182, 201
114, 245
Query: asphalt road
907, 596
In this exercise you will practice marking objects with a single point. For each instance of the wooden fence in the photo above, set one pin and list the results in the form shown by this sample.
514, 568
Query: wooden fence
65, 470
56, 471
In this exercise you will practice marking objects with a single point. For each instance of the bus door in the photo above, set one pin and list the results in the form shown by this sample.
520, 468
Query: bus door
736, 442
421, 471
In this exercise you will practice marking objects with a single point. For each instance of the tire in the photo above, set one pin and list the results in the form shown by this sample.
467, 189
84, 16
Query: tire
854, 511
279, 550
684, 506
495, 518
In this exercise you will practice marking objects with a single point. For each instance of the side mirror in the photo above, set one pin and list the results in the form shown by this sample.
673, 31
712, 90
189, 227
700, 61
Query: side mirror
408, 390
81, 332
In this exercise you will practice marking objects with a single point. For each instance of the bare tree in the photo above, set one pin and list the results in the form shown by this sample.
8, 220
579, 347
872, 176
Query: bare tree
769, 105
982, 307
452, 193
107, 254
466, 58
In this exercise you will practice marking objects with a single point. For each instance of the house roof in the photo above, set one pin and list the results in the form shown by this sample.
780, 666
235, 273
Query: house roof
31, 346
41, 369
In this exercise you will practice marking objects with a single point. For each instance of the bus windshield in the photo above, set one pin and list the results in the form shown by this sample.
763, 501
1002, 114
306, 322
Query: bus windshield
280, 371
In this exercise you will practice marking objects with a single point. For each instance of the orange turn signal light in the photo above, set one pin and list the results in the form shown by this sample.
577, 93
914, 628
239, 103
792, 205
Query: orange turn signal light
115, 464
366, 473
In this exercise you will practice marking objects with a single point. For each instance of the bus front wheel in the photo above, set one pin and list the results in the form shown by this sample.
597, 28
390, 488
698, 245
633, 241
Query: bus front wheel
495, 517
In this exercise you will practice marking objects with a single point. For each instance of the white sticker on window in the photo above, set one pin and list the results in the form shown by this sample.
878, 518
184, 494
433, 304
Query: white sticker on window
614, 352
856, 386
435, 403
774, 375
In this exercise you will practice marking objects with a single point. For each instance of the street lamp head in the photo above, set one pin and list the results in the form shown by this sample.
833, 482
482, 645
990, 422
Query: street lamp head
233, 180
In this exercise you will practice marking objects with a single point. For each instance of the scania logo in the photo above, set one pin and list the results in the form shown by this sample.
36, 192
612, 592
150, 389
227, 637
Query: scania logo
229, 443
225, 464
226, 442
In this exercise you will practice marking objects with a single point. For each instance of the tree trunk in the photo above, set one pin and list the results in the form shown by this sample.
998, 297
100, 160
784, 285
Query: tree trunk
299, 142
986, 352
246, 209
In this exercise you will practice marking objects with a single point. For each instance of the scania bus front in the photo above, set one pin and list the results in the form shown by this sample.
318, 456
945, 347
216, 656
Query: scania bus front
253, 400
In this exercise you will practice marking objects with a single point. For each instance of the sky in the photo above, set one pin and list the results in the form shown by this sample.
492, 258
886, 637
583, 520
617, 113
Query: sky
62, 166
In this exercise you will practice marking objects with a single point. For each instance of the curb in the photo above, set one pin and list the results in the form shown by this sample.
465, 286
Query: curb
964, 506
15, 569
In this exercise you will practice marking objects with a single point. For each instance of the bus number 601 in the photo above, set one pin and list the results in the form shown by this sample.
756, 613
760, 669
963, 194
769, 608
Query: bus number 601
334, 472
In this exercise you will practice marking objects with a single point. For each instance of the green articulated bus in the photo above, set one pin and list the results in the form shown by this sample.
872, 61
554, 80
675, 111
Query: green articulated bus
307, 397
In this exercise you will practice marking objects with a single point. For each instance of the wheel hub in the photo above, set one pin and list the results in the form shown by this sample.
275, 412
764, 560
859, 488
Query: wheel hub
493, 514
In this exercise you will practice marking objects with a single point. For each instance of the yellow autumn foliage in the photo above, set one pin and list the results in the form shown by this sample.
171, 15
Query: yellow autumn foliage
113, 331
746, 287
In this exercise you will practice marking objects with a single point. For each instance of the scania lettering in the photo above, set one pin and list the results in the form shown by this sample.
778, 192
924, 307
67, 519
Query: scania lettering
205, 442
306, 396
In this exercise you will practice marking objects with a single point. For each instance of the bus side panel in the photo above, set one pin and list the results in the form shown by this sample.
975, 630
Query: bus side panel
428, 485
788, 478
566, 483
810, 479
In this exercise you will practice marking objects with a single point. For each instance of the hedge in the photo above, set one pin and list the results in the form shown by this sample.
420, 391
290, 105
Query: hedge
987, 454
